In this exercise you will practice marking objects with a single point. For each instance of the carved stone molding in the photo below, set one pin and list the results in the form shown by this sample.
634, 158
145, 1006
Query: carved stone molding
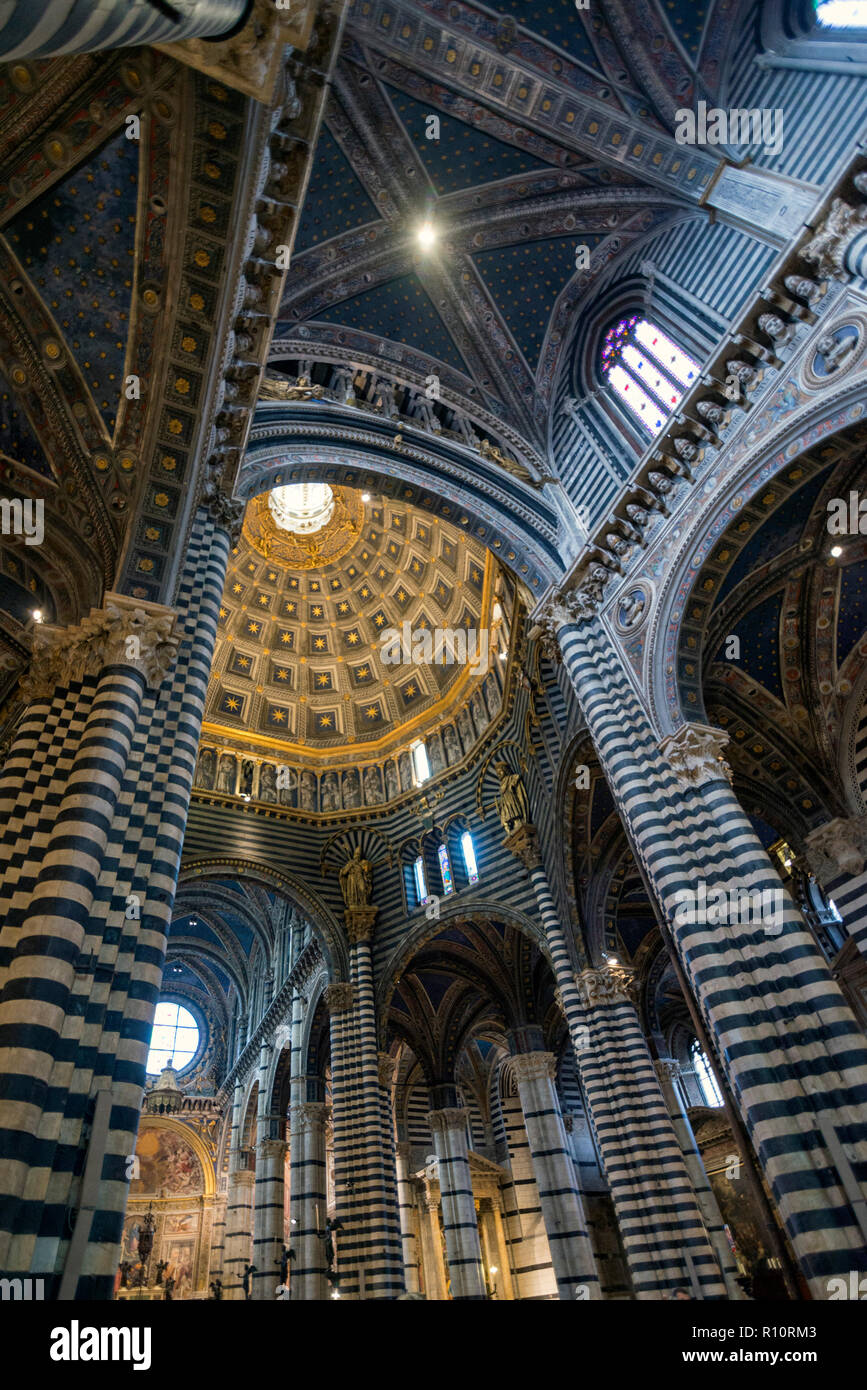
359, 923
339, 997
309, 1117
442, 1121
611, 984
126, 632
251, 60
838, 848
524, 844
534, 1066
570, 609
667, 1069
694, 754
273, 1148
403, 1151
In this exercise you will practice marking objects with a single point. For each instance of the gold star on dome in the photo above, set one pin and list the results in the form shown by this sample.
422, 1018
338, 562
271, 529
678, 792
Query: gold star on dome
475, 576
319, 643
317, 611
278, 715
401, 596
236, 588
263, 599
363, 672
415, 566
244, 661
343, 607
282, 674
409, 692
224, 612
352, 638
379, 619
325, 721
286, 637
365, 592
231, 703
254, 628
372, 711
323, 679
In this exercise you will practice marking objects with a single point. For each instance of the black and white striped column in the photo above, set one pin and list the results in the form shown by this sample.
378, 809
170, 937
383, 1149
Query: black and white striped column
562, 1210
838, 855
268, 1216
463, 1248
406, 1209
307, 1200
794, 1056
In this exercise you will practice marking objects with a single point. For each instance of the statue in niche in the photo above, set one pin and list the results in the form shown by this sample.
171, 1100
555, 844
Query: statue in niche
351, 790
356, 880
372, 787
404, 764
248, 772
330, 793
452, 747
435, 753
287, 786
631, 609
226, 773
465, 728
834, 349
513, 807
308, 791
268, 782
206, 769
391, 783
480, 713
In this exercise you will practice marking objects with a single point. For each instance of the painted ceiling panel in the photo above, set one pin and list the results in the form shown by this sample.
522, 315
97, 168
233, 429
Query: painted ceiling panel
852, 613
462, 157
16, 437
525, 282
557, 21
336, 200
779, 533
77, 244
686, 18
399, 310
759, 633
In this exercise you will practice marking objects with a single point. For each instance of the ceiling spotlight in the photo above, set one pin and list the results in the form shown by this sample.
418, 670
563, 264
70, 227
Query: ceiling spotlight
36, 615
365, 497
426, 235
245, 796
503, 655
835, 551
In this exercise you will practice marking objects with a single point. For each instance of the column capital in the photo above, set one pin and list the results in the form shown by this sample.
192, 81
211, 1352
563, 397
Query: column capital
667, 1069
403, 1150
443, 1121
534, 1066
524, 844
826, 251
242, 1177
339, 997
611, 984
694, 753
124, 632
387, 1066
359, 923
227, 513
272, 1148
839, 847
308, 1117
568, 609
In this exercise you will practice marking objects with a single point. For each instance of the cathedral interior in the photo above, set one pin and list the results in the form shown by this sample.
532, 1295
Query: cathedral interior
433, 649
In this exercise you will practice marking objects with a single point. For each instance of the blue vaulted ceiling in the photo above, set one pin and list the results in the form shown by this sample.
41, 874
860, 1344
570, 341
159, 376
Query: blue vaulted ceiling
686, 18
462, 157
77, 244
336, 200
852, 613
402, 311
779, 533
759, 633
16, 437
525, 282
557, 21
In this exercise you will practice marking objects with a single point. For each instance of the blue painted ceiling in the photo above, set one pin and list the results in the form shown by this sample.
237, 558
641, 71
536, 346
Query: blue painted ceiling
400, 310
16, 437
759, 633
557, 21
852, 613
462, 157
77, 244
779, 533
525, 282
336, 200
686, 18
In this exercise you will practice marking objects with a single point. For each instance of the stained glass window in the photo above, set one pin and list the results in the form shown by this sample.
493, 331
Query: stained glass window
468, 850
175, 1038
446, 870
420, 880
706, 1079
647, 370
842, 14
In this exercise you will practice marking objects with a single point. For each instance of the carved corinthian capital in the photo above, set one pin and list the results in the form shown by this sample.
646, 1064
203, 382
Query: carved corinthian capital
567, 609
826, 251
126, 632
227, 513
534, 1066
667, 1069
612, 984
338, 997
307, 1118
694, 753
838, 848
524, 844
442, 1121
